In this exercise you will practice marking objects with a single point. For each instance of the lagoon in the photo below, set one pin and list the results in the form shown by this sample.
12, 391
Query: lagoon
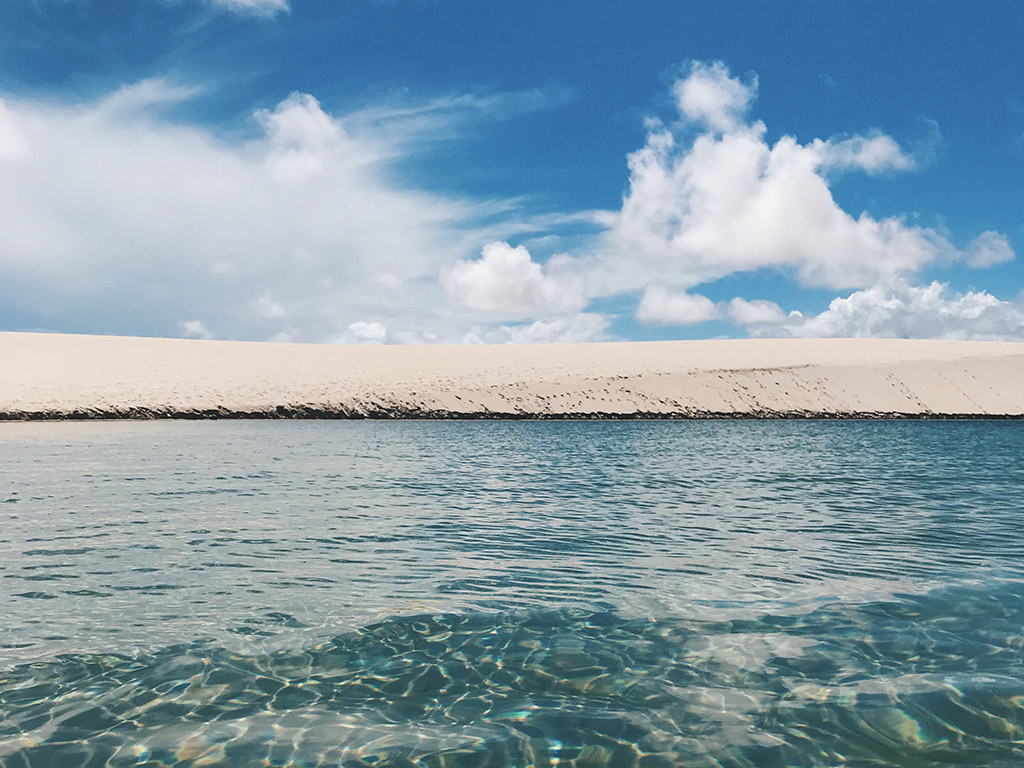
743, 593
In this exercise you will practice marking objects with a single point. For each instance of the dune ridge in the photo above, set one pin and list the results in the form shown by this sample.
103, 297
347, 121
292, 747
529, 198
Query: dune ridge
60, 376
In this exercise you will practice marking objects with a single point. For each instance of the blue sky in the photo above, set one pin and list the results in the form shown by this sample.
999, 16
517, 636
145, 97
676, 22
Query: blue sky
409, 171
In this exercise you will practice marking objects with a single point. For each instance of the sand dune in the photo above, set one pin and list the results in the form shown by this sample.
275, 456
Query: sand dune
66, 376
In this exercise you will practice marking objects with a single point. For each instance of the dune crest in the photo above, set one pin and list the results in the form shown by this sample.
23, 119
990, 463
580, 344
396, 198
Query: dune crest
58, 376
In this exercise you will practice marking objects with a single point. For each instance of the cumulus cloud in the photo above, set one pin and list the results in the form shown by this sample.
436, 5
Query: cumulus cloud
118, 203
895, 310
708, 95
727, 201
662, 306
368, 333
989, 249
581, 327
303, 140
194, 329
506, 280
755, 314
709, 196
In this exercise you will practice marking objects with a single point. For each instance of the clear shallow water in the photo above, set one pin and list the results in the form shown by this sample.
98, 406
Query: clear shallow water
487, 594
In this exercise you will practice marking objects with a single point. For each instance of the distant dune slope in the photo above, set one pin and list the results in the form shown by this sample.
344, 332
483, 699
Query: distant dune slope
66, 376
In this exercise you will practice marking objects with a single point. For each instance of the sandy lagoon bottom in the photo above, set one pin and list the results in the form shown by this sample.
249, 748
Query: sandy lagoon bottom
514, 593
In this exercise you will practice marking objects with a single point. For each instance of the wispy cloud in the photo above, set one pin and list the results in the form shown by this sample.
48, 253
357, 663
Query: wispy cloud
400, 118
263, 8
113, 202
828, 80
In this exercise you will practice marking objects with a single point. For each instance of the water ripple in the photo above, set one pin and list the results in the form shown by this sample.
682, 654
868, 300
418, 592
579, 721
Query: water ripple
719, 594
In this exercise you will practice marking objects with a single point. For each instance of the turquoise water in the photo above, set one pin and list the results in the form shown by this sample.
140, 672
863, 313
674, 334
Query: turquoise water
512, 594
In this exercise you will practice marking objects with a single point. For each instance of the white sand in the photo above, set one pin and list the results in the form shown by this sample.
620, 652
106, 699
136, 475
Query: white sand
55, 375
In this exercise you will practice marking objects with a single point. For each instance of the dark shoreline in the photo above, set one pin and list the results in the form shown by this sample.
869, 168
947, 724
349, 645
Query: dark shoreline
317, 413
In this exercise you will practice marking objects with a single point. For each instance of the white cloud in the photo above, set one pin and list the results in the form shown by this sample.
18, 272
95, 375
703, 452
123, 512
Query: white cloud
14, 144
134, 208
119, 203
703, 206
663, 306
756, 313
362, 332
897, 310
582, 327
253, 7
927, 149
872, 154
988, 249
507, 281
116, 203
135, 102
709, 95
303, 140
266, 307
728, 201
397, 120
194, 329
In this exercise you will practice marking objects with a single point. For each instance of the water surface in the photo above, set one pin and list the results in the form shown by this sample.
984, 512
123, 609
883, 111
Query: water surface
512, 593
